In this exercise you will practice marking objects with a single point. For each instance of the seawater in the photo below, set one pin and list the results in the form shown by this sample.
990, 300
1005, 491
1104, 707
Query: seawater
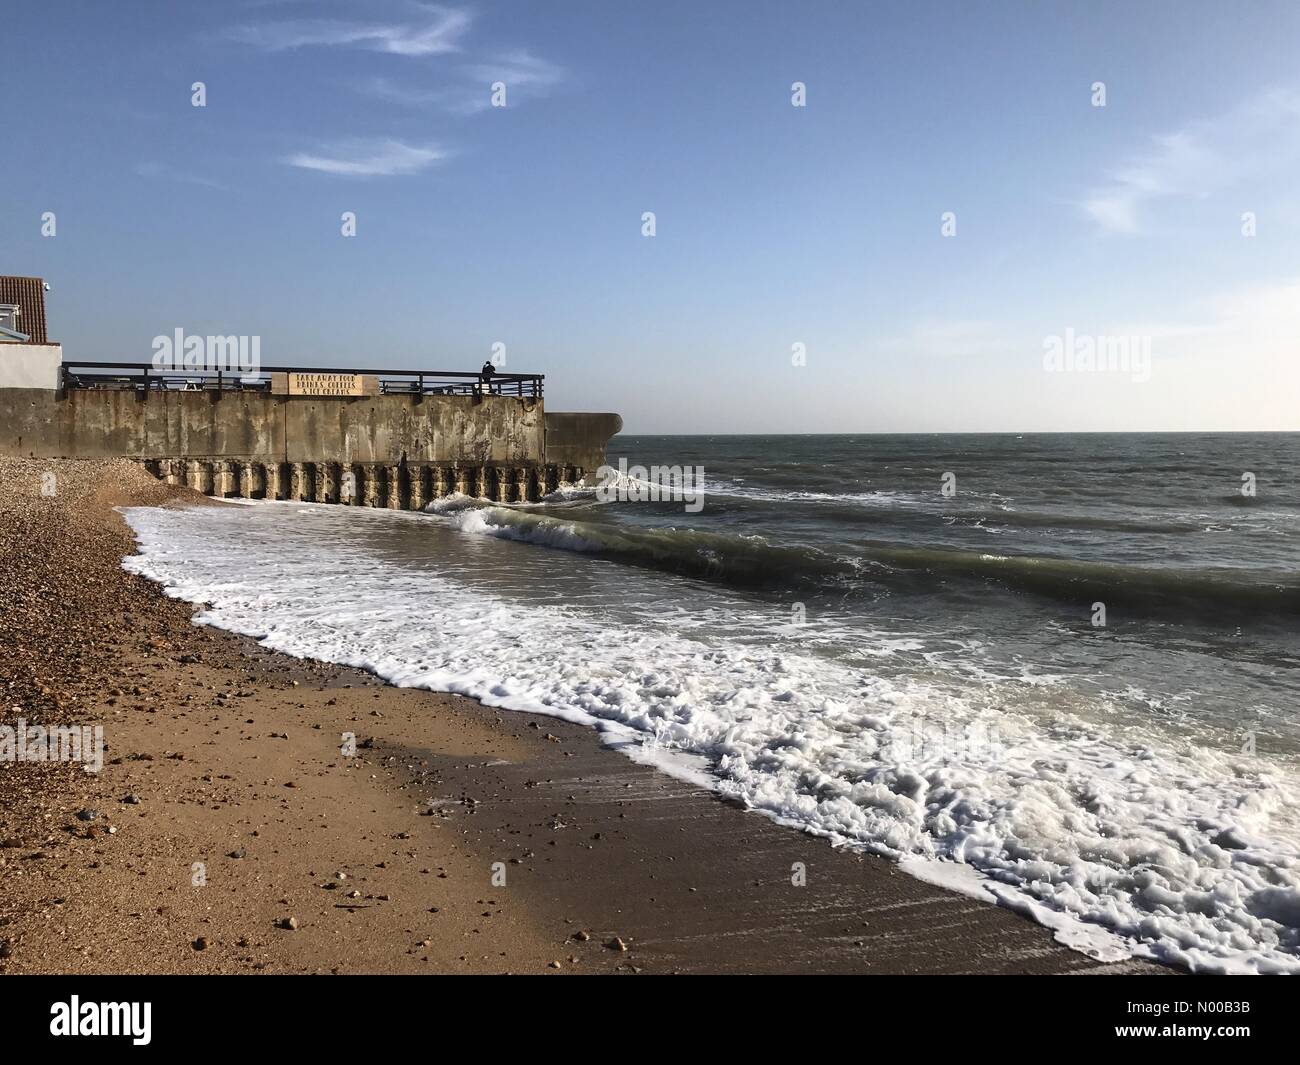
1069, 683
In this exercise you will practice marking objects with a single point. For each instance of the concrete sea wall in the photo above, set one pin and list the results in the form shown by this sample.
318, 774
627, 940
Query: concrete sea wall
389, 450
255, 426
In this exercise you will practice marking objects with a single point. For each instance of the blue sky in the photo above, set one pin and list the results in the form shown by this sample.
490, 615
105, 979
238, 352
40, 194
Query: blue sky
775, 225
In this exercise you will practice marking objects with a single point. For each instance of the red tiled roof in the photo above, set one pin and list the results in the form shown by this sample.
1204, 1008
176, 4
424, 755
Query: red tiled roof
29, 294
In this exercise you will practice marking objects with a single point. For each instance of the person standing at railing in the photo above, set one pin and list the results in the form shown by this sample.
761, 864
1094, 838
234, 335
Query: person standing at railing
485, 376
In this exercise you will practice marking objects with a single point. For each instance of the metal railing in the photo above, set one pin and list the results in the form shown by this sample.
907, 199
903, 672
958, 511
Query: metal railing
145, 377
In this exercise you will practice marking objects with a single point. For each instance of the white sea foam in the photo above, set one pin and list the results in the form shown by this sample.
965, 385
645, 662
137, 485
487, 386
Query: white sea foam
1120, 844
886, 499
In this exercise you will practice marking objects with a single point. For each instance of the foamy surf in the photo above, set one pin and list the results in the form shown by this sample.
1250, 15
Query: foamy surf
1123, 844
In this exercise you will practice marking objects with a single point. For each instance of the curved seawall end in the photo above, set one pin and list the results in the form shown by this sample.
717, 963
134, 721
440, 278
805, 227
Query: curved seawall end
579, 438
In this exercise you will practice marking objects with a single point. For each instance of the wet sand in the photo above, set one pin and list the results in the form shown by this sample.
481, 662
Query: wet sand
457, 838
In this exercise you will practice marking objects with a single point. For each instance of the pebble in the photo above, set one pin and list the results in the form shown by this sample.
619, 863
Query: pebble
86, 814
291, 923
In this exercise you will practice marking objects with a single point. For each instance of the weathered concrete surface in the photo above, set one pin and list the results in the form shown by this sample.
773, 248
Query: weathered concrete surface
430, 429
579, 439
110, 423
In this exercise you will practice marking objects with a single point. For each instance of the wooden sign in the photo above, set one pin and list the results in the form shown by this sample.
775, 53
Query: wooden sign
324, 384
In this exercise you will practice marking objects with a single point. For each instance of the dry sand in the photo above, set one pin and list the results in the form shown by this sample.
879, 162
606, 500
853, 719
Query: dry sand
226, 808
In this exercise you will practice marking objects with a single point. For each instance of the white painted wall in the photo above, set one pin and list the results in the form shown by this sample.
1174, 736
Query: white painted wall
30, 365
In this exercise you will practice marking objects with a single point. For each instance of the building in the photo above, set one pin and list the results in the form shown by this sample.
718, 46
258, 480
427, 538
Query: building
27, 357
22, 310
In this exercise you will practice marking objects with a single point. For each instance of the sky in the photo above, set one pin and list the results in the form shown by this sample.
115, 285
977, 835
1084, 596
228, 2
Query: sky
967, 191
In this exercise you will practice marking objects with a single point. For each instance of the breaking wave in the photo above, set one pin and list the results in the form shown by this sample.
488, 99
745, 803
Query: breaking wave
754, 561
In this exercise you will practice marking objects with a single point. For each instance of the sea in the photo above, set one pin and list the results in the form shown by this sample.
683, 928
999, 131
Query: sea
1059, 672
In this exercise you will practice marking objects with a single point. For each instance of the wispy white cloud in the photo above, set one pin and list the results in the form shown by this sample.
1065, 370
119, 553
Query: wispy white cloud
457, 99
518, 68
463, 87
369, 158
162, 172
1186, 164
438, 33
524, 75
1199, 160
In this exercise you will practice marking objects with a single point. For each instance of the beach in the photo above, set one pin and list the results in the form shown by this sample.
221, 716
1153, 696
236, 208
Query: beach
233, 828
